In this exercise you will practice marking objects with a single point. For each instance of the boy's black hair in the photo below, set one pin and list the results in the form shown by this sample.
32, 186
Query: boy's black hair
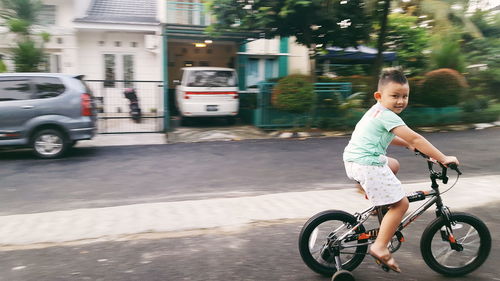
391, 74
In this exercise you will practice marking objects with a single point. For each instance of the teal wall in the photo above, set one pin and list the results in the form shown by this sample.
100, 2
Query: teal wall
242, 63
283, 60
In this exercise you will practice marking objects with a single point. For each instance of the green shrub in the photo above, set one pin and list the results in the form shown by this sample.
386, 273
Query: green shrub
486, 116
294, 93
478, 103
18, 25
442, 87
486, 82
415, 84
3, 67
27, 56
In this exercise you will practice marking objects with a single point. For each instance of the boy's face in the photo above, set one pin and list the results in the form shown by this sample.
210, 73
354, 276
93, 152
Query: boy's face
393, 96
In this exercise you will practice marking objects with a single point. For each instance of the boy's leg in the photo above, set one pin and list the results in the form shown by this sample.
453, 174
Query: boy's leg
388, 227
359, 188
393, 164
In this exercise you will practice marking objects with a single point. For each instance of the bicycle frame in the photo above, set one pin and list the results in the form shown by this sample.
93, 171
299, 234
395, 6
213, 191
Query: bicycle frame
335, 242
435, 199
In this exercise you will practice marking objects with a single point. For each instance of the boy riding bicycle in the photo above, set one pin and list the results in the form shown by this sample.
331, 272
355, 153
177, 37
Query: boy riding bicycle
366, 161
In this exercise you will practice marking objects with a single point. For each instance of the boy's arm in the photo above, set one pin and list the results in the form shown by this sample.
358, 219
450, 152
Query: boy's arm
419, 142
401, 142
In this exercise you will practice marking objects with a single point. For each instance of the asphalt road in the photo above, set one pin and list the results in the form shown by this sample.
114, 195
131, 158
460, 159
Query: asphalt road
111, 176
264, 251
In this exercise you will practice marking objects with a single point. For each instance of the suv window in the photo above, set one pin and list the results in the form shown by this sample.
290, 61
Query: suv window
15, 88
47, 87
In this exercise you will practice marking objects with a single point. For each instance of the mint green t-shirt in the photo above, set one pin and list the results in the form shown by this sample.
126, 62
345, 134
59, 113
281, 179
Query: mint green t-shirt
372, 136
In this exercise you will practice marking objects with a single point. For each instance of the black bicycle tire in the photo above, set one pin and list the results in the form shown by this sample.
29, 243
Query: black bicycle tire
436, 225
311, 224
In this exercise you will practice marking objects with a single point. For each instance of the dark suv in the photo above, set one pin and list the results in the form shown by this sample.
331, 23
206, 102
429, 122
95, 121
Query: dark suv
49, 112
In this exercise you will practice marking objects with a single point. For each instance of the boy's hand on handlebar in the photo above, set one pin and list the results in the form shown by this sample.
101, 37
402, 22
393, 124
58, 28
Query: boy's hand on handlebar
450, 159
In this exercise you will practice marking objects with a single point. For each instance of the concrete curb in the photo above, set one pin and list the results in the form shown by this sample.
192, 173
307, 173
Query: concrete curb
188, 135
478, 126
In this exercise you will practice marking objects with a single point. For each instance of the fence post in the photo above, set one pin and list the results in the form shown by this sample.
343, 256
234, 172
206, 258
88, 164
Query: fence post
166, 113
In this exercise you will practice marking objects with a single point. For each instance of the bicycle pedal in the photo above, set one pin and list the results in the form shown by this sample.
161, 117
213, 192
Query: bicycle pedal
383, 266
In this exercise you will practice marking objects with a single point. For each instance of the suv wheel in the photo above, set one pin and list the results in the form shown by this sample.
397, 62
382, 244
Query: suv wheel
49, 144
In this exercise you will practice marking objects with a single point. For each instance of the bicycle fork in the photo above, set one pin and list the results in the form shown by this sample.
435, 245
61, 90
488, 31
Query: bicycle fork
447, 231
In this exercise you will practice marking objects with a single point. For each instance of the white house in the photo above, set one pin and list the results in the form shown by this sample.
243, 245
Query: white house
103, 39
122, 40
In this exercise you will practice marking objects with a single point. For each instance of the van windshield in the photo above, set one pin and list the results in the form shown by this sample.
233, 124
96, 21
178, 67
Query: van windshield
211, 78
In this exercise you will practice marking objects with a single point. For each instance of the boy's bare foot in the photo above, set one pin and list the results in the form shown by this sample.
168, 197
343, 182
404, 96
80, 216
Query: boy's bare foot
385, 259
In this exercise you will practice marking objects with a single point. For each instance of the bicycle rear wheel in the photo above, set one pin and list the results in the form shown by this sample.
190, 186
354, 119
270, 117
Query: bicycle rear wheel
469, 232
316, 237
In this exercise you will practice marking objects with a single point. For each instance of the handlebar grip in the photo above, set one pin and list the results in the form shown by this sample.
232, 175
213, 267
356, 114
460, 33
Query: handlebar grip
454, 166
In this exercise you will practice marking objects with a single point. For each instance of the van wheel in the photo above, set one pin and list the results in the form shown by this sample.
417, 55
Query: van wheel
49, 144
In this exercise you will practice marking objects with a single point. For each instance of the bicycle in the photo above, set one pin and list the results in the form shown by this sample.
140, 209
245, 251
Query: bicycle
453, 244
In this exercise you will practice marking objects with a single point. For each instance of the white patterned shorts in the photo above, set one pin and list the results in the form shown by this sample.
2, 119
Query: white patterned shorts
379, 182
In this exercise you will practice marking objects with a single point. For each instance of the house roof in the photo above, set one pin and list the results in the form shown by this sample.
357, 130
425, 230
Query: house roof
121, 11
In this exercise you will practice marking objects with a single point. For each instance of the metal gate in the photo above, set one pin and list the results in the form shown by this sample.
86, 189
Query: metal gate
113, 107
326, 100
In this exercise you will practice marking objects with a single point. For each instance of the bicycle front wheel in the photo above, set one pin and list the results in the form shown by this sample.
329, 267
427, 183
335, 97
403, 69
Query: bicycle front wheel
317, 235
471, 251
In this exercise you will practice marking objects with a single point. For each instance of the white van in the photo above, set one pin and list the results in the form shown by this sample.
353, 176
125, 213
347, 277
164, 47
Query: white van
207, 91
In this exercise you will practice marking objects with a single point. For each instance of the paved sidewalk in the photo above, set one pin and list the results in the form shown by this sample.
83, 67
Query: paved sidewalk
115, 222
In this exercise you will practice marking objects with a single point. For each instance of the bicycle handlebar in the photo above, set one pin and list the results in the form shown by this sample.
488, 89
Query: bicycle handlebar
431, 162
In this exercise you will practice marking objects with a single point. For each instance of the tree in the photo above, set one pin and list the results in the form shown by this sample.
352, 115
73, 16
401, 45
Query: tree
383, 13
444, 16
408, 40
314, 23
26, 10
448, 54
20, 16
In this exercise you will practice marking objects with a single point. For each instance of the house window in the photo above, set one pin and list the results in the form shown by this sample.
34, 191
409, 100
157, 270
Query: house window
55, 63
261, 69
128, 70
51, 63
109, 71
271, 69
118, 67
47, 15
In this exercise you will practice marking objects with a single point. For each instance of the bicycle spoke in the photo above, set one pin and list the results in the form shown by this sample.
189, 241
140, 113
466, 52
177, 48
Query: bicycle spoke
312, 239
442, 253
315, 251
444, 258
